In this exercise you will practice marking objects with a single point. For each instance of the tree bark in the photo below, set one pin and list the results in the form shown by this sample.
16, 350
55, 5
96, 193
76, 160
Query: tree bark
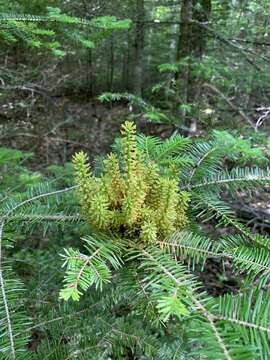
139, 47
192, 44
111, 64
90, 74
126, 65
183, 53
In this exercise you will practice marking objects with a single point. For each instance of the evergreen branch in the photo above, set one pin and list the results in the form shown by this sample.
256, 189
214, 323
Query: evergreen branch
200, 161
14, 323
22, 17
3, 291
4, 298
7, 312
198, 249
41, 217
149, 300
86, 261
172, 146
210, 207
148, 144
84, 271
237, 241
242, 323
120, 332
62, 18
250, 312
239, 177
38, 197
205, 159
170, 272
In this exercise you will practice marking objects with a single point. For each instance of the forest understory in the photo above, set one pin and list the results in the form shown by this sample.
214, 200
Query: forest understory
134, 180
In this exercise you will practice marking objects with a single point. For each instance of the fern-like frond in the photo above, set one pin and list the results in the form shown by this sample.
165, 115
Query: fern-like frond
204, 345
132, 99
252, 260
208, 206
44, 191
155, 263
22, 17
173, 350
234, 241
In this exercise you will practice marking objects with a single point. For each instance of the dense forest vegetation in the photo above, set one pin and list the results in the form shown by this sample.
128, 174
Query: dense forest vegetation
134, 183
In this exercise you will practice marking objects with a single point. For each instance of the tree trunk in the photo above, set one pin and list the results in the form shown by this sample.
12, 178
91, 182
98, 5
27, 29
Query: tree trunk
90, 74
192, 43
126, 65
139, 44
183, 53
111, 64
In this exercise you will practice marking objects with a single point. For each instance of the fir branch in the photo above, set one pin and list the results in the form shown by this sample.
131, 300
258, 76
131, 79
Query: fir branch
195, 248
7, 312
4, 297
38, 197
4, 218
242, 323
235, 179
41, 217
208, 206
171, 275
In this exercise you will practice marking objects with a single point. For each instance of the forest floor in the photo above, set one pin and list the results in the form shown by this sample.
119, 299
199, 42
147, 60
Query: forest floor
55, 130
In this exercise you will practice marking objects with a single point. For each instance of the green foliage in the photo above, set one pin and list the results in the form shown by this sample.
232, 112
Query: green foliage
14, 324
149, 111
39, 31
161, 272
149, 207
85, 271
249, 313
15, 176
240, 149
174, 68
138, 267
132, 99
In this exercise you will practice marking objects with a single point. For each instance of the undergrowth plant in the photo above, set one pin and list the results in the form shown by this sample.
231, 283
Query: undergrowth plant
144, 205
143, 210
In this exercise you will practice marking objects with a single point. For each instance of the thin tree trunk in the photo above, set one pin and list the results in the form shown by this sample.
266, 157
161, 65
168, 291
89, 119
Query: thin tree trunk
192, 43
90, 74
183, 53
128, 87
126, 64
199, 43
139, 44
111, 63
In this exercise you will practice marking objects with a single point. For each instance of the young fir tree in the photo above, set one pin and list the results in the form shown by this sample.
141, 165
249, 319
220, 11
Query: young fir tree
142, 206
